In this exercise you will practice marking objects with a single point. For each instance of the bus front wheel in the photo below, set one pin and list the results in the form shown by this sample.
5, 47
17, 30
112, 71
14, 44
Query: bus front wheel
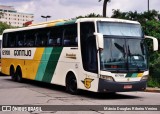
71, 84
12, 74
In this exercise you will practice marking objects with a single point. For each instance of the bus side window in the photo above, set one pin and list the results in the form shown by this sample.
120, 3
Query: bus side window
20, 40
5, 40
12, 40
55, 37
51, 40
29, 39
41, 38
58, 41
70, 35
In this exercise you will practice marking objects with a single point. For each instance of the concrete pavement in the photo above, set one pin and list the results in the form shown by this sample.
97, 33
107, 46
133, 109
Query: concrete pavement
151, 89
148, 89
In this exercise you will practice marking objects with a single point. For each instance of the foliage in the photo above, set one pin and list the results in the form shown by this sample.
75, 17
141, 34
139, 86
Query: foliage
4, 26
89, 15
153, 83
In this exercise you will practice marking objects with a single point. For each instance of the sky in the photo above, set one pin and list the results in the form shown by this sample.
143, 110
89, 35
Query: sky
67, 9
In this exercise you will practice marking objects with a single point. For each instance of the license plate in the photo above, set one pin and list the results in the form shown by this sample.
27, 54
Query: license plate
127, 86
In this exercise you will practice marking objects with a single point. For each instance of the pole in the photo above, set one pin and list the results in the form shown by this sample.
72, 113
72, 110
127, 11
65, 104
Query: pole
48, 16
148, 6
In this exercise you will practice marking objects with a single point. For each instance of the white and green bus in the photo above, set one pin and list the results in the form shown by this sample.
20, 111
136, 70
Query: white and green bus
94, 54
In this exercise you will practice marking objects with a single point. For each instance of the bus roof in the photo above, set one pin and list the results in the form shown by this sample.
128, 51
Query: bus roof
65, 22
107, 20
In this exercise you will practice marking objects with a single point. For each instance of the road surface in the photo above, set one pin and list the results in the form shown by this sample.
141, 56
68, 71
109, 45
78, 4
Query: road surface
37, 93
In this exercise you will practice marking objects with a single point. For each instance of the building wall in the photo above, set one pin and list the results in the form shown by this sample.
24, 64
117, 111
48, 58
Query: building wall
14, 18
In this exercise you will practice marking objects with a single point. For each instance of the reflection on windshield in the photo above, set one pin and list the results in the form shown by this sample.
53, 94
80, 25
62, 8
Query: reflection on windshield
123, 54
120, 29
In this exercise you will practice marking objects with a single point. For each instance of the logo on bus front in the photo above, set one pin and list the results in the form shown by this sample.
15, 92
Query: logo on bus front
87, 82
120, 75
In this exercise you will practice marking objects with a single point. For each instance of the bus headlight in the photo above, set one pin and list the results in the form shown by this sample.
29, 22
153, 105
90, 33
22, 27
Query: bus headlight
109, 78
144, 77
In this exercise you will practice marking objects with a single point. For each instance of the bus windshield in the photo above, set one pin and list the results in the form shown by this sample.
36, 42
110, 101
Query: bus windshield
123, 51
120, 29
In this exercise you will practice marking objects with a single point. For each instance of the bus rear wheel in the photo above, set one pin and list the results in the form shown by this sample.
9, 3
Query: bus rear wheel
19, 75
71, 84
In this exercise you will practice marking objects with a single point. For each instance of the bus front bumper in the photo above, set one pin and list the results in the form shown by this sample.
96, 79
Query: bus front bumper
110, 86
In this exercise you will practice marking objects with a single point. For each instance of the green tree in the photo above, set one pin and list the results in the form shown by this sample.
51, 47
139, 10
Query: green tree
105, 7
4, 26
91, 15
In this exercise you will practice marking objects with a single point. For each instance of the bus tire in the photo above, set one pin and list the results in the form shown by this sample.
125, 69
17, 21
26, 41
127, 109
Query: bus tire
19, 74
12, 73
71, 84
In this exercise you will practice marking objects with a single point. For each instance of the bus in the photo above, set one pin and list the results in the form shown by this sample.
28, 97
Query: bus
93, 54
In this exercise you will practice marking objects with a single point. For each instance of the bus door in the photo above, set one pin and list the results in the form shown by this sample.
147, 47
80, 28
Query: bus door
89, 53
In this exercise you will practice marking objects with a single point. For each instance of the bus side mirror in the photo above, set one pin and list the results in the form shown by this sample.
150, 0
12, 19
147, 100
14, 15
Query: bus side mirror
100, 40
155, 42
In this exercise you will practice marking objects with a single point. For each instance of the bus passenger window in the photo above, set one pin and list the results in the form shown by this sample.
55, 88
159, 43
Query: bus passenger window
5, 40
66, 42
11, 40
30, 43
29, 39
20, 43
51, 40
19, 40
70, 35
55, 37
41, 38
58, 41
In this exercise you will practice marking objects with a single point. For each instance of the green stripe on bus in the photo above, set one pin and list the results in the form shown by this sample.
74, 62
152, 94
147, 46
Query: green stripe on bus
65, 22
52, 63
129, 75
71, 21
132, 75
43, 64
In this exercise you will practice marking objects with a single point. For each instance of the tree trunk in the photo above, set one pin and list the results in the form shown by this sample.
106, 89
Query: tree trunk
104, 8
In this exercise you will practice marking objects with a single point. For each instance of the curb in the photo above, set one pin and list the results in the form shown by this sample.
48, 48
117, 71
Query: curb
155, 90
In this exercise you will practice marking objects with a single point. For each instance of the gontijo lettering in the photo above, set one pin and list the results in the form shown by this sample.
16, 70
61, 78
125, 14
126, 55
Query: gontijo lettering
22, 53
